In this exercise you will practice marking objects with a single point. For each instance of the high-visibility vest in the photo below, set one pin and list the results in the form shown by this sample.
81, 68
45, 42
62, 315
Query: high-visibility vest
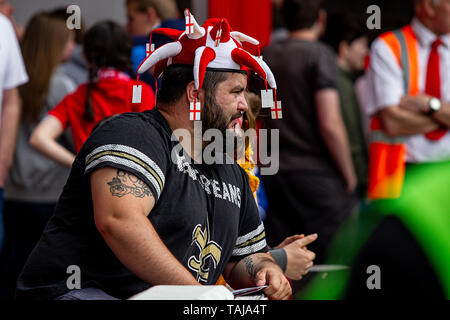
387, 154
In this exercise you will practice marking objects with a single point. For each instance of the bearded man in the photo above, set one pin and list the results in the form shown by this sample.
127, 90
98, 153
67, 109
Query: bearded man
130, 218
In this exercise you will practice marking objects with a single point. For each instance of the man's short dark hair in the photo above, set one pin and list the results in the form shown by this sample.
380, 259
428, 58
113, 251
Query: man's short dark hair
300, 14
344, 27
177, 77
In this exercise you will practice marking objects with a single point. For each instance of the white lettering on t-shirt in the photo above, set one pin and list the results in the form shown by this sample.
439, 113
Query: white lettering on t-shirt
216, 189
233, 194
229, 192
238, 192
226, 194
205, 182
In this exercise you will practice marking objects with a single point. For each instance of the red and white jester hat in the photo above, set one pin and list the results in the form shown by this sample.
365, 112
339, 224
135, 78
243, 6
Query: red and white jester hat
213, 45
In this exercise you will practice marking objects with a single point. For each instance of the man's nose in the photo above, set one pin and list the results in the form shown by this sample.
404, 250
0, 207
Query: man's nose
242, 104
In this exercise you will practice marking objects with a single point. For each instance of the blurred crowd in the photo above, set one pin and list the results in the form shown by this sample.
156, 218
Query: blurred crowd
363, 115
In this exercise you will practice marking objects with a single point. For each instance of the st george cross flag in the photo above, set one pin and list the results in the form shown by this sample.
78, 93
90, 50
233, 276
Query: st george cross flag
277, 111
189, 24
194, 111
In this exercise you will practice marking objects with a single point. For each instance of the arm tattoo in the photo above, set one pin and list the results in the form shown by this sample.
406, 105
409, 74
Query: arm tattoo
250, 267
126, 183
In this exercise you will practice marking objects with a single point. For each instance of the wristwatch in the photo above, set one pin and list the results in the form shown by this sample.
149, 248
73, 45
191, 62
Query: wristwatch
435, 105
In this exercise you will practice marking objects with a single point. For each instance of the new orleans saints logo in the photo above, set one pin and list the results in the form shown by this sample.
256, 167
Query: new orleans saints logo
208, 250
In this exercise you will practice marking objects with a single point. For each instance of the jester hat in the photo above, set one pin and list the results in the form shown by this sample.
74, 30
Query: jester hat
214, 46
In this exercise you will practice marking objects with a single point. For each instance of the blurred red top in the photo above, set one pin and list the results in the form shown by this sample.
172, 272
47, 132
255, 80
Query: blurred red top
110, 96
252, 17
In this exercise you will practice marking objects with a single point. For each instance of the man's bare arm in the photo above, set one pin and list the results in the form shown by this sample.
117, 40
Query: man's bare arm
121, 205
8, 131
333, 132
420, 104
43, 139
443, 116
397, 121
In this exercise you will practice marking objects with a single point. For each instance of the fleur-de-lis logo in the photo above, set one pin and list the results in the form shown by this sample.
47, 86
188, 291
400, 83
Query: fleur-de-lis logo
208, 249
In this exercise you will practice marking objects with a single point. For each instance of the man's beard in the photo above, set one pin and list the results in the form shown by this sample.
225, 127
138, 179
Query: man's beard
214, 117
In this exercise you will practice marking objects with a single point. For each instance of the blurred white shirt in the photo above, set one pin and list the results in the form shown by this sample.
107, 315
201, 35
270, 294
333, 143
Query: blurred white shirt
385, 88
12, 69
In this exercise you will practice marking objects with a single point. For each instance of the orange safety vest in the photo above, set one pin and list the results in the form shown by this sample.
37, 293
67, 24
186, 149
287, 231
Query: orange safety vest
387, 154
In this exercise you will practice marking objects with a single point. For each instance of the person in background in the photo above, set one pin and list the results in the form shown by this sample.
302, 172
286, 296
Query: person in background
408, 100
143, 17
291, 254
12, 75
76, 67
313, 191
405, 234
346, 35
109, 91
34, 183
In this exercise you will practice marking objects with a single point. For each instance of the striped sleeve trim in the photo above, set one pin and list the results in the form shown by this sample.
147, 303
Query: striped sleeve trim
250, 242
250, 249
128, 157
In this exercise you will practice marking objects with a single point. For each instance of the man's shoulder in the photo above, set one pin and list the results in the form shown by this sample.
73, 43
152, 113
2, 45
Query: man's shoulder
392, 38
4, 22
135, 142
132, 128
7, 33
383, 49
132, 121
324, 47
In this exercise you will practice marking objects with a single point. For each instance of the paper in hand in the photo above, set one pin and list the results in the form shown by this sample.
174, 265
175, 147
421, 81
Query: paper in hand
246, 291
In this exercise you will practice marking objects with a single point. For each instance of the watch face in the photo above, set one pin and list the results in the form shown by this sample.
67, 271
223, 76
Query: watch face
435, 104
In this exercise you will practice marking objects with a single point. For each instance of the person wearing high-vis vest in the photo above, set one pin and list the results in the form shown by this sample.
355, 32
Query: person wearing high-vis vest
408, 100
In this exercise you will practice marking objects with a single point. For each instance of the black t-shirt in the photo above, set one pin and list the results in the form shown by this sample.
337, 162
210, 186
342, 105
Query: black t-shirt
301, 68
205, 214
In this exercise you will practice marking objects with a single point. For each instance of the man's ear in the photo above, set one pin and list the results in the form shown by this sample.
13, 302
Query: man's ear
191, 91
343, 48
429, 7
152, 16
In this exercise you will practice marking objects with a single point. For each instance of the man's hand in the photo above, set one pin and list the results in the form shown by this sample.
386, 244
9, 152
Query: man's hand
398, 122
351, 181
271, 274
290, 239
256, 270
417, 104
421, 104
299, 258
